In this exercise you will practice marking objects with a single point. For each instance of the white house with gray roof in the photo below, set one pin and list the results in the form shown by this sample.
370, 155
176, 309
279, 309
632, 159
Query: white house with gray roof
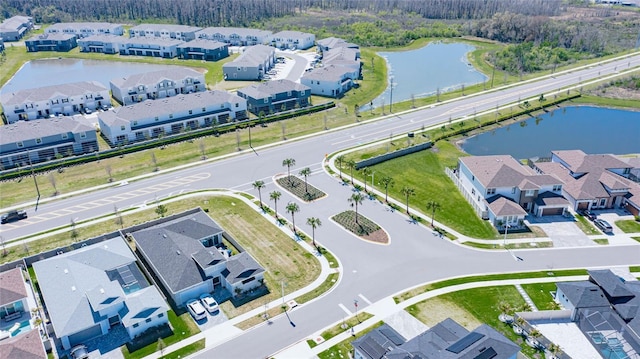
330, 43
42, 102
236, 36
251, 65
294, 40
84, 29
330, 81
150, 46
203, 49
90, 290
14, 28
156, 84
101, 43
274, 96
166, 31
185, 252
171, 115
26, 142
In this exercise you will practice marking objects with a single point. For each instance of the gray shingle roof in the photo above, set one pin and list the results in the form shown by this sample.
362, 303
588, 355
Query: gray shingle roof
14, 23
168, 27
143, 304
253, 56
289, 34
151, 40
12, 287
27, 130
60, 26
551, 199
271, 88
610, 283
106, 38
583, 294
240, 267
56, 36
226, 31
177, 73
330, 73
203, 44
335, 42
502, 206
378, 342
48, 92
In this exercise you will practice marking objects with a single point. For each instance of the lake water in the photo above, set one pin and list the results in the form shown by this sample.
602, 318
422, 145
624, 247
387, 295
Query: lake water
590, 129
40, 73
423, 71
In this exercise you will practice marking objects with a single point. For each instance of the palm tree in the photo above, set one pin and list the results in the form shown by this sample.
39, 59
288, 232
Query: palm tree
366, 172
351, 164
288, 162
314, 223
433, 206
340, 160
275, 196
387, 182
293, 208
408, 192
306, 172
259, 185
355, 200
555, 350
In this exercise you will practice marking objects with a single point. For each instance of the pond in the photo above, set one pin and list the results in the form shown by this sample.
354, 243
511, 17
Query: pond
590, 129
423, 71
48, 72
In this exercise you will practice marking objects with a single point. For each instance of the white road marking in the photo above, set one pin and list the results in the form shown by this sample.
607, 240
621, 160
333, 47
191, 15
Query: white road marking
345, 309
365, 299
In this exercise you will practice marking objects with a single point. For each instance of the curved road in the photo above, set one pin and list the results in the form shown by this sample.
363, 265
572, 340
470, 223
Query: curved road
370, 271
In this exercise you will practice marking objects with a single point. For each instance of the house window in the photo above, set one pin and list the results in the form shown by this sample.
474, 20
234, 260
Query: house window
513, 190
135, 325
170, 115
237, 104
473, 191
135, 123
603, 202
160, 315
65, 136
266, 100
248, 280
491, 191
20, 144
156, 119
38, 141
148, 320
122, 128
204, 109
529, 193
473, 178
83, 134
557, 188
289, 93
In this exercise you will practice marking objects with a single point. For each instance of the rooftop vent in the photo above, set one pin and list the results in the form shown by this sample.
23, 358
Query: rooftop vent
73, 288
66, 271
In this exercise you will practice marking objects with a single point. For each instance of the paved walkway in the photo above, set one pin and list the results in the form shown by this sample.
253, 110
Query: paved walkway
526, 298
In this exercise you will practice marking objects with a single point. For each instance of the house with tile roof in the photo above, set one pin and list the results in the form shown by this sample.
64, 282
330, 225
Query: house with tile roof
84, 29
64, 99
24, 346
60, 42
165, 31
236, 36
593, 181
203, 49
90, 290
445, 340
156, 85
251, 65
504, 191
14, 28
275, 96
27, 142
293, 40
171, 115
186, 253
13, 294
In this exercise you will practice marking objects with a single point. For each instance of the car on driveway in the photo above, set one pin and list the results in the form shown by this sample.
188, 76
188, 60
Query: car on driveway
196, 309
11, 216
588, 214
603, 225
209, 303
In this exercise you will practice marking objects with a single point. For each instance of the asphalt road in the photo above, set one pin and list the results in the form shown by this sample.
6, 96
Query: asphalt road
371, 271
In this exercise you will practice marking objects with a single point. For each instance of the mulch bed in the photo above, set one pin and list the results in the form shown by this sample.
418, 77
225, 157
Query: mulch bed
365, 228
296, 187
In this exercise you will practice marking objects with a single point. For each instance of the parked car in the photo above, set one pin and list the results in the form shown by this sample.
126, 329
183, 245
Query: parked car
588, 214
209, 303
87, 110
14, 215
603, 225
79, 352
105, 108
196, 309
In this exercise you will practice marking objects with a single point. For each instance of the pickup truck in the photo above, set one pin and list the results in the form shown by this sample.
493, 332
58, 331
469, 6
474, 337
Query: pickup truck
13, 216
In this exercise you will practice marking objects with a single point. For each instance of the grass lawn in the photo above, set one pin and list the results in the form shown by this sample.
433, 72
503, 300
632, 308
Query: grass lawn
337, 329
601, 241
183, 327
344, 349
586, 225
540, 294
628, 226
185, 351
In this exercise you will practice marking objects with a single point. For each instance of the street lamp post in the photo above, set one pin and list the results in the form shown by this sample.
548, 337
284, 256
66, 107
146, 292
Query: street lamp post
506, 228
355, 304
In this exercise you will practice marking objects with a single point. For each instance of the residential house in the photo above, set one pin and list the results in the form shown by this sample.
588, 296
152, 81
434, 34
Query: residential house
1, 45
346, 57
445, 340
90, 290
150, 46
14, 28
102, 43
24, 346
51, 42
595, 181
236, 36
503, 190
203, 49
165, 31
24, 143
156, 84
293, 40
251, 65
274, 96
329, 81
85, 29
634, 164
13, 294
331, 43
186, 253
171, 115
43, 102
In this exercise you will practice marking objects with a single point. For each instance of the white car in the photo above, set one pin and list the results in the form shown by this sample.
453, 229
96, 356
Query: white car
196, 309
209, 303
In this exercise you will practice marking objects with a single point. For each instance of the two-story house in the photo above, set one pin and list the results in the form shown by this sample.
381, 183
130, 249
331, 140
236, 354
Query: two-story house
156, 84
171, 115
331, 43
274, 96
43, 102
251, 65
51, 42
166, 31
330, 81
101, 43
236, 36
24, 143
150, 46
84, 29
14, 28
293, 40
203, 49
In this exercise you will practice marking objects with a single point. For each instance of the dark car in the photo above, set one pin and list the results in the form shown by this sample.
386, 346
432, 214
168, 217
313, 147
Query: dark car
603, 225
13, 216
590, 215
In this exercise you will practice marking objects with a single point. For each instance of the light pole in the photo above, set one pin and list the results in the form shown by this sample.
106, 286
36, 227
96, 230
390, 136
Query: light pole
355, 303
506, 228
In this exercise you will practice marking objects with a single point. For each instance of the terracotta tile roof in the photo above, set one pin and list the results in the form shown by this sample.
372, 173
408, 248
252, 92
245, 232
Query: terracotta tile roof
12, 286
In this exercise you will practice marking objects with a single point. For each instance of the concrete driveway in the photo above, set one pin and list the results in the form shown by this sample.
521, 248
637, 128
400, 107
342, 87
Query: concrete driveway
563, 231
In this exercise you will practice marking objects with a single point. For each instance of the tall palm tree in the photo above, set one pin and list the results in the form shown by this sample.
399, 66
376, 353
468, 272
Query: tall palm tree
433, 206
366, 172
314, 223
351, 164
293, 208
355, 200
275, 196
288, 162
340, 160
259, 185
387, 182
306, 172
408, 192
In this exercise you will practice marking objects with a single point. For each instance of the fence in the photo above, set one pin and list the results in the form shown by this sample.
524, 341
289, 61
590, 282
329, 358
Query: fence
391, 155
540, 316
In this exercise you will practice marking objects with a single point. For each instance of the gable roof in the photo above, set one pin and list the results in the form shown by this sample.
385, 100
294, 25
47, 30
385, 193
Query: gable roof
48, 92
328, 73
240, 267
203, 43
335, 42
551, 199
176, 74
12, 287
253, 56
497, 171
226, 31
583, 294
24, 346
378, 342
271, 88
579, 162
610, 283
142, 304
168, 27
502, 206
27, 130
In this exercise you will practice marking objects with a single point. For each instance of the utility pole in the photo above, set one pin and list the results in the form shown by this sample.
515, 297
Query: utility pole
33, 174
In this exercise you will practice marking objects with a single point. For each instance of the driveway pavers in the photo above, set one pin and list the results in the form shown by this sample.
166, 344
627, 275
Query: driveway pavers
564, 232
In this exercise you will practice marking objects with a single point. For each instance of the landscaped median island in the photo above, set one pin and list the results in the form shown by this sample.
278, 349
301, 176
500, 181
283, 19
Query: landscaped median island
299, 188
361, 226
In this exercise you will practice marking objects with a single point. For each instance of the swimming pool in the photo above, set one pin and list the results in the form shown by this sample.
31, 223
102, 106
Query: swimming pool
23, 328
